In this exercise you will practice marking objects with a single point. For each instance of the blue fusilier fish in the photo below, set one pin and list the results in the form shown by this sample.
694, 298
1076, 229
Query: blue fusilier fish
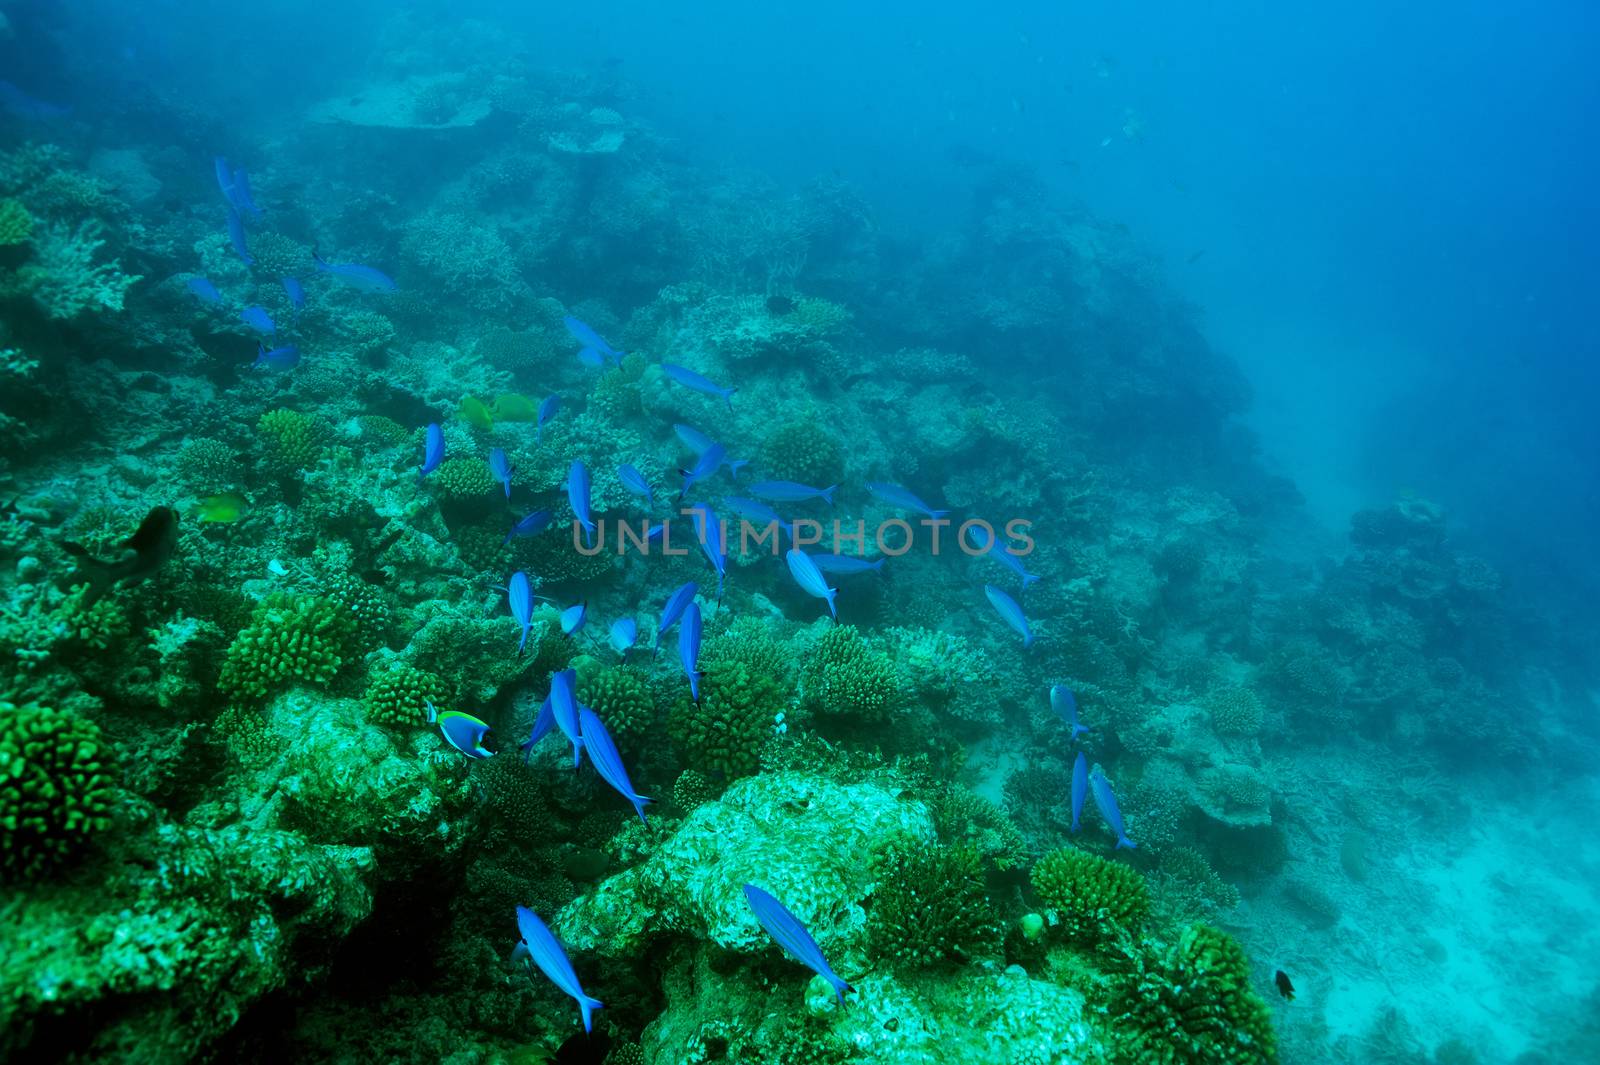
243, 198
1065, 704
531, 525
1008, 610
432, 449
673, 609
224, 173
696, 383
1106, 800
540, 947
578, 496
624, 634
704, 467
542, 724
792, 936
573, 619
606, 761
519, 594
1080, 787
634, 482
790, 492
203, 290
689, 648
591, 358
279, 359
713, 537
810, 579
986, 545
295, 291
357, 276
692, 438
547, 410
462, 731
28, 107
590, 340
898, 496
758, 513
846, 565
236, 237
564, 709
258, 319
500, 466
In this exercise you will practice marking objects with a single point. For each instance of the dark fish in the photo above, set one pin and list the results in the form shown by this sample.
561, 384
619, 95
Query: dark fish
780, 304
584, 1048
1285, 988
152, 545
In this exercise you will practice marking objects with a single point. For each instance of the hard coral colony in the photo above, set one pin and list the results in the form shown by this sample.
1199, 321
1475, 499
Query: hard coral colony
275, 673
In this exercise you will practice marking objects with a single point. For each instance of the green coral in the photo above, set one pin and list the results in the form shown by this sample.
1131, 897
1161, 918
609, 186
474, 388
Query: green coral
930, 907
55, 793
846, 676
399, 695
16, 224
621, 699
1093, 899
294, 442
206, 466
803, 451
99, 628
366, 604
288, 638
1236, 710
693, 789
737, 713
1190, 1003
463, 478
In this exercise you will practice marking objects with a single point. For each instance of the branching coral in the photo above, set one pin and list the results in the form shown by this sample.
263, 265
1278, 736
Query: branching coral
737, 712
399, 695
930, 907
55, 792
1235, 710
289, 638
64, 279
206, 466
804, 452
294, 442
1190, 1003
621, 699
1093, 899
846, 676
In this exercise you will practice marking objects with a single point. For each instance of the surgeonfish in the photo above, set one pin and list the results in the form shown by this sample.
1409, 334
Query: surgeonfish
540, 947
689, 648
792, 936
810, 579
475, 412
606, 761
1010, 612
432, 449
462, 731
1106, 800
898, 496
513, 407
1065, 704
1080, 787
696, 383
500, 466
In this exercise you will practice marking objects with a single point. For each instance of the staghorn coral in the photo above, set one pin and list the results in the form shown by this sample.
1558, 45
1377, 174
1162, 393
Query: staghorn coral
1093, 900
55, 793
63, 278
929, 907
289, 638
1190, 1003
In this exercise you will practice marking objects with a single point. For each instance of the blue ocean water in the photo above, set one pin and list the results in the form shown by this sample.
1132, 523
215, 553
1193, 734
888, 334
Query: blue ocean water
1266, 330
